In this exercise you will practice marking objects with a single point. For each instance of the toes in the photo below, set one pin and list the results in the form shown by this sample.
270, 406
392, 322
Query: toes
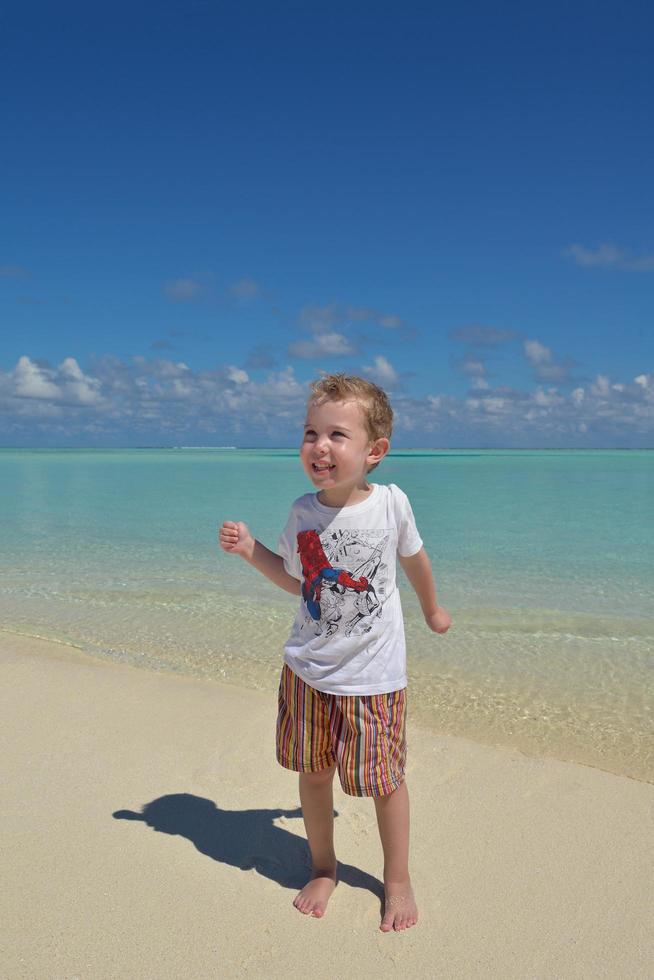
308, 904
405, 922
387, 922
314, 897
396, 916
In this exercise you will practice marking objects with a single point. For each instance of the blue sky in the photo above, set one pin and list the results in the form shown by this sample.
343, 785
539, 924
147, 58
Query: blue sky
206, 205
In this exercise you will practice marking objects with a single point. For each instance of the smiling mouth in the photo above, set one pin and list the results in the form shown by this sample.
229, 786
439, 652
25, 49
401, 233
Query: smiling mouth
321, 469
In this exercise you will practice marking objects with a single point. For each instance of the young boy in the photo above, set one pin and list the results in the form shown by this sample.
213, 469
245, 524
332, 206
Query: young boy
342, 698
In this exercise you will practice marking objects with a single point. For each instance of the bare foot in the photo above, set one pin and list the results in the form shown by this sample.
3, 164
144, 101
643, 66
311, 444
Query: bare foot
313, 898
400, 909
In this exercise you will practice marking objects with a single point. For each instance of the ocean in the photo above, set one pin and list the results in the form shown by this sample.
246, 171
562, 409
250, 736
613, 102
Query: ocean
543, 558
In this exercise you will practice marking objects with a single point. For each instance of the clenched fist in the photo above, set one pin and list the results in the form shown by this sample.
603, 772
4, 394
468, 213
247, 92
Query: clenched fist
234, 537
439, 621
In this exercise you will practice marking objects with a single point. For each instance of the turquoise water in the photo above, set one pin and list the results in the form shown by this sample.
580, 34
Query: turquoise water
544, 560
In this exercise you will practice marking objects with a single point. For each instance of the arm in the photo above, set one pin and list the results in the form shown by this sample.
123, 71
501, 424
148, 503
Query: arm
235, 539
417, 569
272, 566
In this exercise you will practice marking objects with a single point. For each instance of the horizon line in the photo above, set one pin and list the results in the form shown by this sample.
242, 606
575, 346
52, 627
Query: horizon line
390, 453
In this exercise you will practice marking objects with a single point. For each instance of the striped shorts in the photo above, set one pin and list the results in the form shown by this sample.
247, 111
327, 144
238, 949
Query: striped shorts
363, 735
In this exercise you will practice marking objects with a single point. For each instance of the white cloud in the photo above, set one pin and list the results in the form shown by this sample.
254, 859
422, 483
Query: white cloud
545, 398
334, 343
169, 399
160, 367
605, 255
13, 272
536, 352
494, 406
182, 290
546, 367
238, 376
282, 384
181, 389
29, 410
329, 342
316, 318
360, 313
324, 340
245, 288
65, 384
605, 410
78, 386
601, 387
390, 321
33, 381
381, 371
329, 325
473, 366
608, 256
479, 335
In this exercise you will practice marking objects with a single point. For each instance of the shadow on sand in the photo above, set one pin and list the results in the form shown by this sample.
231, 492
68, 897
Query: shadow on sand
243, 839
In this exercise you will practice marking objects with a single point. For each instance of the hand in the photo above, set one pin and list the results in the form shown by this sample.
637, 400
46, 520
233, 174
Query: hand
439, 621
234, 537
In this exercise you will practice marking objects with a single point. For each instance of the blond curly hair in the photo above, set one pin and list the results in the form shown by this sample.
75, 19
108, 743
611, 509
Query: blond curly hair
375, 406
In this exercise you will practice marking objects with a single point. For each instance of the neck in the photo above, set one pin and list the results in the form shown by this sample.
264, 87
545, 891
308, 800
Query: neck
344, 496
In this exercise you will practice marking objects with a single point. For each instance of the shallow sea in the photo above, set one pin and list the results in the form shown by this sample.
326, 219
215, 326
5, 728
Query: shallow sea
544, 559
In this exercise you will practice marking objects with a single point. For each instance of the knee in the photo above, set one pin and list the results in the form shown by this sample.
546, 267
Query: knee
319, 778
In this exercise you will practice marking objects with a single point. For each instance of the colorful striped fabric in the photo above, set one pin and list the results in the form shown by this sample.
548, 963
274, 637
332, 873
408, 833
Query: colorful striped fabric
365, 735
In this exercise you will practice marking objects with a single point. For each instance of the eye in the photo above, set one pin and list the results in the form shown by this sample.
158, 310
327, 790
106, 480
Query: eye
337, 433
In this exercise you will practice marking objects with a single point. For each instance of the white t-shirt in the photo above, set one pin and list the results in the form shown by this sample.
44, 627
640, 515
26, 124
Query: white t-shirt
348, 635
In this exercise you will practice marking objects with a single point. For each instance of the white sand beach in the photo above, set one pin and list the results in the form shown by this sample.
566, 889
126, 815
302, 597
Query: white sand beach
522, 867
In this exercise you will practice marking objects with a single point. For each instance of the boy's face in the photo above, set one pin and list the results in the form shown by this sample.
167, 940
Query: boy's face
336, 448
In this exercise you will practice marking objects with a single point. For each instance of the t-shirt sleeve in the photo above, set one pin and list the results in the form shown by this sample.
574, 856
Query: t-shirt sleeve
409, 541
287, 547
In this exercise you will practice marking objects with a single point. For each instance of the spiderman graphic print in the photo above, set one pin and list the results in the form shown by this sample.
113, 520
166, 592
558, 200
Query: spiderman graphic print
337, 579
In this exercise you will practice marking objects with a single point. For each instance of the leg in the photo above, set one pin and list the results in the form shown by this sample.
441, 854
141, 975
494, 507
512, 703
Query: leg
400, 910
304, 743
317, 800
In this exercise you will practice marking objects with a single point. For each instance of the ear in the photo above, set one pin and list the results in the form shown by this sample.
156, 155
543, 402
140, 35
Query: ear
378, 450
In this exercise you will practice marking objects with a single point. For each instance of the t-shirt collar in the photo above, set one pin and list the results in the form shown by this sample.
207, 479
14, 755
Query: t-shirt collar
349, 508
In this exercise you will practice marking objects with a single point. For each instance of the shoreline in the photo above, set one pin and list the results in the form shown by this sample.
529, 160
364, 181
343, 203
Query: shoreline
522, 866
419, 713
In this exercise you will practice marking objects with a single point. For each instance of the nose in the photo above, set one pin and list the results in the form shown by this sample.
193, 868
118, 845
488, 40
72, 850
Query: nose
319, 444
